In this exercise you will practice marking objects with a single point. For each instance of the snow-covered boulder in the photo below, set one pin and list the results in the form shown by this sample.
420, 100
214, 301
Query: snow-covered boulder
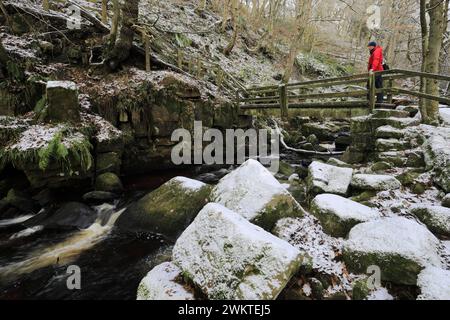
168, 210
324, 178
434, 284
229, 258
163, 283
339, 215
437, 219
253, 192
437, 155
399, 246
375, 182
446, 201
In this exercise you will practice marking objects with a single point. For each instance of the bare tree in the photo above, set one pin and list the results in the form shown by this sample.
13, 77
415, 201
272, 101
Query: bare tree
120, 46
432, 39
303, 10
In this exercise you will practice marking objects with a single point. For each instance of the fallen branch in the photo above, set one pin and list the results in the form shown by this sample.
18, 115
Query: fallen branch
302, 151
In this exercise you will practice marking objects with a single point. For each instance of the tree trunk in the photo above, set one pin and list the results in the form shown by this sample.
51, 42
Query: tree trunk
424, 35
431, 63
122, 46
304, 9
234, 17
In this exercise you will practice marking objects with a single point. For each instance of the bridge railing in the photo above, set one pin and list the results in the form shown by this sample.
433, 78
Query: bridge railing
300, 95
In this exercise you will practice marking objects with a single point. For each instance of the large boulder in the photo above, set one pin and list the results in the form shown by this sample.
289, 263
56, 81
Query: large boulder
339, 215
229, 258
324, 178
108, 182
434, 284
399, 246
63, 103
163, 283
375, 182
71, 215
253, 192
437, 156
437, 219
168, 210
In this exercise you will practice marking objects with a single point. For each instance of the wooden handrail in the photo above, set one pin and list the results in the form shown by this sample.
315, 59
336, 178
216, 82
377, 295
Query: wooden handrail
289, 96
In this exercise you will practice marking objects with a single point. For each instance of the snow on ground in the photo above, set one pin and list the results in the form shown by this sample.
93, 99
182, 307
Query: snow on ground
434, 284
307, 235
445, 114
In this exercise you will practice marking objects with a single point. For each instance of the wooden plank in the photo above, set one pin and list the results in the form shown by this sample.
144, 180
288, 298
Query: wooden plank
310, 105
422, 95
425, 75
261, 99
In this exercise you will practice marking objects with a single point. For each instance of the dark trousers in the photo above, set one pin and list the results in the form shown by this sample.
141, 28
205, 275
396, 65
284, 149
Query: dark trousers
378, 85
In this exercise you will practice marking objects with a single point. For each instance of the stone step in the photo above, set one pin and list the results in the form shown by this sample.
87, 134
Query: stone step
384, 145
399, 123
409, 158
389, 132
388, 113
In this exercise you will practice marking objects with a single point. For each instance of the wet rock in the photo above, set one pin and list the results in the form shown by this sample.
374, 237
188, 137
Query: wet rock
434, 284
108, 182
108, 162
324, 178
339, 215
163, 282
375, 182
99, 197
70, 215
168, 210
399, 246
437, 219
253, 192
21, 201
343, 141
446, 201
229, 258
63, 103
325, 131
45, 197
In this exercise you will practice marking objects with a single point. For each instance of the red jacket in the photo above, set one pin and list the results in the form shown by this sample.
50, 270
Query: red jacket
376, 59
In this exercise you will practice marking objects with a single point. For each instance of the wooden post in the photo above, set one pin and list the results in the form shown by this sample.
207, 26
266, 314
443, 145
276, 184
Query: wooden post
46, 5
148, 66
284, 102
372, 92
105, 11
180, 59
389, 95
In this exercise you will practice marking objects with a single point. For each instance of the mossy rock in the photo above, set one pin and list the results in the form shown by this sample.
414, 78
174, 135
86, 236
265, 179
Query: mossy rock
360, 290
437, 219
168, 210
108, 182
409, 177
380, 166
108, 162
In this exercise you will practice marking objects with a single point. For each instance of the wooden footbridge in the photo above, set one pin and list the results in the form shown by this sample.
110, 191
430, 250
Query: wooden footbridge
301, 95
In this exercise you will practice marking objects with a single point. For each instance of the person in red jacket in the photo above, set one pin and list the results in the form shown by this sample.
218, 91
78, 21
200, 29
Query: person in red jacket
376, 64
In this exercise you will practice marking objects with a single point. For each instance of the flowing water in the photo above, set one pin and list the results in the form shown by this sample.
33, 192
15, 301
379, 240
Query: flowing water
34, 261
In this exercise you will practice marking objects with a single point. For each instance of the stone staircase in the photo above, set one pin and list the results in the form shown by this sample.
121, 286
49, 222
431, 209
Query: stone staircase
382, 136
